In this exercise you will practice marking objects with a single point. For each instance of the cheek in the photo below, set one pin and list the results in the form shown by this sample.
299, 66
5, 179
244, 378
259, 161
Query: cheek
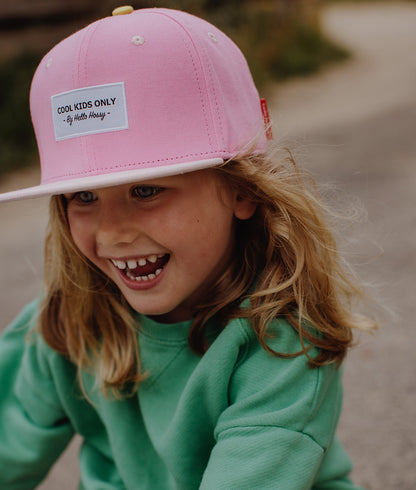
81, 234
211, 233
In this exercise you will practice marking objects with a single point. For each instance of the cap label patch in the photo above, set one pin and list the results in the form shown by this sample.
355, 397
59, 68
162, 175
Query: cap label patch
89, 110
266, 118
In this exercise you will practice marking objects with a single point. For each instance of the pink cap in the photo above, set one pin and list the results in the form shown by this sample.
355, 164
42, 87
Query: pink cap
153, 93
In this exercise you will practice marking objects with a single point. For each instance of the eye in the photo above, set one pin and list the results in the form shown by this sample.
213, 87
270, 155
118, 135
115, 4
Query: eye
84, 197
145, 191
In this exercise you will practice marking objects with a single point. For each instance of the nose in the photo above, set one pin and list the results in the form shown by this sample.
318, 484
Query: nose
116, 225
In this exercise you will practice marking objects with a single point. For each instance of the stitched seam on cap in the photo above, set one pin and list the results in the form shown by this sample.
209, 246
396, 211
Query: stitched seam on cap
87, 149
129, 165
215, 95
76, 82
195, 69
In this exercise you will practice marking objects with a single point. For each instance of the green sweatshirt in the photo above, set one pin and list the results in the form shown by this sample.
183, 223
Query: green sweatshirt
237, 418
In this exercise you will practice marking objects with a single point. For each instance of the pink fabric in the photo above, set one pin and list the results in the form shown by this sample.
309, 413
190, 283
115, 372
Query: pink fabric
189, 94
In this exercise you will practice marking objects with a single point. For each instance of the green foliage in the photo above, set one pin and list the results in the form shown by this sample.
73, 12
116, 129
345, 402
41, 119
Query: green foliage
306, 52
17, 141
278, 44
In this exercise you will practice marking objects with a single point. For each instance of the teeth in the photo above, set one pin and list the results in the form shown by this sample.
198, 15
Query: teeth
133, 264
119, 263
149, 277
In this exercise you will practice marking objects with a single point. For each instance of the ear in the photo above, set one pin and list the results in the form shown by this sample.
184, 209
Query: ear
244, 208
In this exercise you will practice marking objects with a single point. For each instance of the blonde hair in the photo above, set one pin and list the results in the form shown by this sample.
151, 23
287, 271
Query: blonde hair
84, 316
285, 265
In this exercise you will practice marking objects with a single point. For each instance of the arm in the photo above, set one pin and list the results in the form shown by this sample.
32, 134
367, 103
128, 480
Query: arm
278, 430
33, 428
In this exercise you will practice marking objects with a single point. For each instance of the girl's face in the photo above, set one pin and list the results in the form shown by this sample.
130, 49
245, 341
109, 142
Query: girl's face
161, 241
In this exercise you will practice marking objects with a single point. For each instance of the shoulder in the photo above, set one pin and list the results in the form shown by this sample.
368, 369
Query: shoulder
22, 337
282, 338
13, 346
30, 368
269, 390
25, 319
13, 338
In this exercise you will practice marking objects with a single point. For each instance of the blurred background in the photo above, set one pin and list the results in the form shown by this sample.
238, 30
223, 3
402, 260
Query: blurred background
340, 79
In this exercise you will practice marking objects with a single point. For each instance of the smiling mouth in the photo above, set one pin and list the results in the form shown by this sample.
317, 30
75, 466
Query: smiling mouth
143, 269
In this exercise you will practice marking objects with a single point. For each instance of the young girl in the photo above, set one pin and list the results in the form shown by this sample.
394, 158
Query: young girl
195, 311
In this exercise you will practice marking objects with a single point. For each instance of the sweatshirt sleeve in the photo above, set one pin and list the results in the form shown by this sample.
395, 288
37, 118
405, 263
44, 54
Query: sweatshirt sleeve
278, 429
34, 430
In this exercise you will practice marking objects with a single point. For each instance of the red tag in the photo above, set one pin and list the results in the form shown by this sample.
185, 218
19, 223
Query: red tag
266, 118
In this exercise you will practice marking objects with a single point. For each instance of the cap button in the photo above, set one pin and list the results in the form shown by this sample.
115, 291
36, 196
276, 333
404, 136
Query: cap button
125, 9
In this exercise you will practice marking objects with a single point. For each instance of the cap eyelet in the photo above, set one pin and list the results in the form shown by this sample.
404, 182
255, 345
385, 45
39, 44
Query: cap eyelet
138, 40
49, 62
212, 37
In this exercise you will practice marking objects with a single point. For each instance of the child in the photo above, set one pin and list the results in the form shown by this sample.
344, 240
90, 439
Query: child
195, 311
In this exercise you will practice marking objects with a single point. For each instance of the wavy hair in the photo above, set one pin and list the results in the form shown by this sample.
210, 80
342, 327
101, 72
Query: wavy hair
285, 265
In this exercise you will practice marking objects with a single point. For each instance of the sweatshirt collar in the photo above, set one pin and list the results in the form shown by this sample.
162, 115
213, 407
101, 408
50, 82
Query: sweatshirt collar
168, 332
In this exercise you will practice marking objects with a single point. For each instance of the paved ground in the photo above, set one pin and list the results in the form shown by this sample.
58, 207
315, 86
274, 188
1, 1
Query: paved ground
352, 125
355, 125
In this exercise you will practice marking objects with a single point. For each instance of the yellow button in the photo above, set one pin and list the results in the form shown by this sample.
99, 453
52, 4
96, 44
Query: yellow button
125, 9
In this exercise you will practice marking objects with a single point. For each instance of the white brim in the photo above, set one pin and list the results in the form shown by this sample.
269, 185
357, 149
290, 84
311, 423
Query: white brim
107, 180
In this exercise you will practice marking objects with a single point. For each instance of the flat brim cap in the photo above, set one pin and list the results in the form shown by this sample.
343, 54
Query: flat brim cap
129, 98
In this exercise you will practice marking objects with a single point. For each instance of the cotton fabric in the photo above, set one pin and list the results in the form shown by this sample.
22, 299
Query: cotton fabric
236, 418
